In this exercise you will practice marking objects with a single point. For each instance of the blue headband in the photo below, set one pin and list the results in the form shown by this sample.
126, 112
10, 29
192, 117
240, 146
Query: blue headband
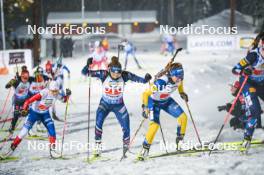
177, 73
115, 69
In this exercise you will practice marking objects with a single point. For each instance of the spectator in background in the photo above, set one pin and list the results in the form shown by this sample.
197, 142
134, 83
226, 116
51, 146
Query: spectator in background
54, 48
21, 43
69, 46
62, 46
105, 44
29, 44
1, 45
99, 57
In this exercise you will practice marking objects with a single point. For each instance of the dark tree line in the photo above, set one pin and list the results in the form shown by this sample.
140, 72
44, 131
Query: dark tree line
173, 12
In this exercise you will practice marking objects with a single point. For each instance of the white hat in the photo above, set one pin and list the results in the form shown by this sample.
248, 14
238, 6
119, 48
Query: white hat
53, 86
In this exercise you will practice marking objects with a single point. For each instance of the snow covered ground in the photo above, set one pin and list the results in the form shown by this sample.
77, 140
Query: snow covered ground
207, 76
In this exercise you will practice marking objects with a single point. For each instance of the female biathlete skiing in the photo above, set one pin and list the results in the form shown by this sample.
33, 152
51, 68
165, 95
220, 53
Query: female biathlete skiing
113, 81
37, 108
157, 98
253, 67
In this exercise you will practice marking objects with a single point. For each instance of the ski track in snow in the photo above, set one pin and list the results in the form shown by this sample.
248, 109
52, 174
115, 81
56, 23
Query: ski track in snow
207, 77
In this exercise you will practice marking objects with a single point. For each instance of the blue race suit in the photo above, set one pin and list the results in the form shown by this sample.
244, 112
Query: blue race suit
159, 98
21, 94
112, 101
253, 88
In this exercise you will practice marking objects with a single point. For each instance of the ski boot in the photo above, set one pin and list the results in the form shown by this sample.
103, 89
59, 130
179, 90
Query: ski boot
246, 144
144, 152
179, 141
7, 154
125, 150
54, 154
12, 148
11, 130
98, 148
15, 143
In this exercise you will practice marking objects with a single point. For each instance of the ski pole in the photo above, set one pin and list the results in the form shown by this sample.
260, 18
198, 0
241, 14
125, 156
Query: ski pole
10, 134
133, 138
5, 120
229, 112
4, 106
118, 50
195, 128
17, 74
163, 138
89, 113
65, 125
69, 83
177, 51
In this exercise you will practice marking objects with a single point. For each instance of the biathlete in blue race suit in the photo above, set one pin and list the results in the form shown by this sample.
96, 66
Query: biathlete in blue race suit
113, 81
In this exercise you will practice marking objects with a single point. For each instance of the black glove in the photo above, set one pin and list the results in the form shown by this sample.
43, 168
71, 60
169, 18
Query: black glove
68, 92
148, 77
235, 122
89, 61
24, 113
8, 85
184, 96
228, 106
221, 108
145, 111
247, 71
